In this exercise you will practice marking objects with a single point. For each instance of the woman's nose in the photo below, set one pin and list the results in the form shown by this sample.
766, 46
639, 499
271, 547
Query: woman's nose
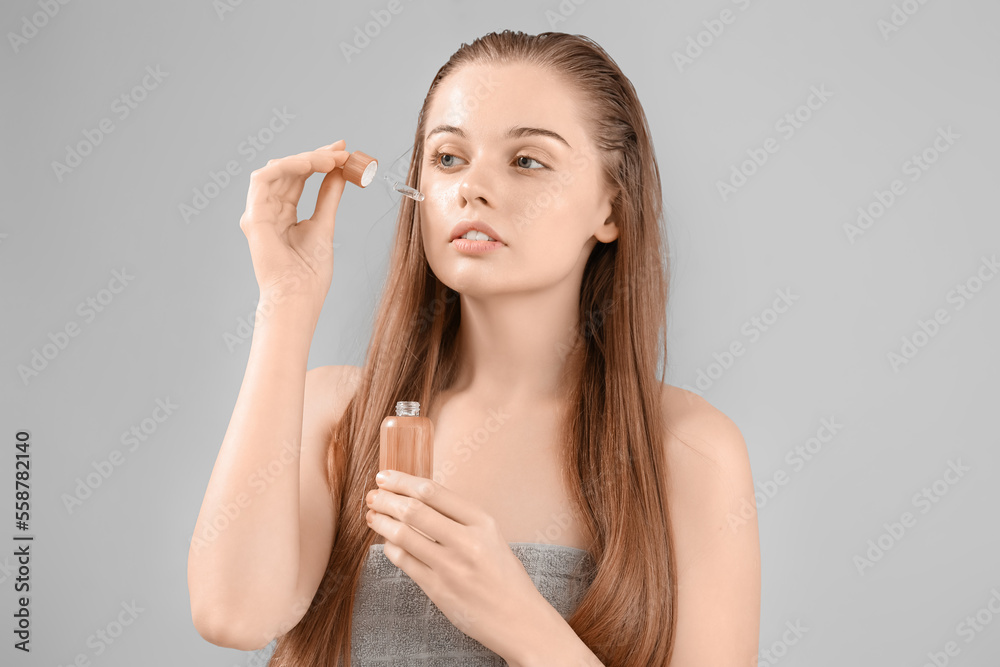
476, 184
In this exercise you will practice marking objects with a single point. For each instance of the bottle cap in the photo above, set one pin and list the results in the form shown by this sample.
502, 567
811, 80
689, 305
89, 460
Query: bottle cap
360, 169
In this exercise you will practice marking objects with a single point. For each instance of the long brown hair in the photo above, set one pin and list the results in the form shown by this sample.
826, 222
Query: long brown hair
614, 438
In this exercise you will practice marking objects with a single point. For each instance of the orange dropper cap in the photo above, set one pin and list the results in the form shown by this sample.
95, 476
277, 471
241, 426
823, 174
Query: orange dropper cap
360, 169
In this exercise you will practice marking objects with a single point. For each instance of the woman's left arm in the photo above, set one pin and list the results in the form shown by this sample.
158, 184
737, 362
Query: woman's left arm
469, 571
714, 519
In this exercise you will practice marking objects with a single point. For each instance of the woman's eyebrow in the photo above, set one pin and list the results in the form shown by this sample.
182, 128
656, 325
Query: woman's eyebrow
513, 133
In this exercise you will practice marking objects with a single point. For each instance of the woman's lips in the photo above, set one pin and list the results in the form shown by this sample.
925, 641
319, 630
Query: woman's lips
465, 226
472, 247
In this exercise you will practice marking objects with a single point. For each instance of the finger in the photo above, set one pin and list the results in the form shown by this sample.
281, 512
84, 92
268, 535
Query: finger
427, 521
320, 158
285, 178
267, 200
439, 497
416, 569
328, 199
424, 551
300, 166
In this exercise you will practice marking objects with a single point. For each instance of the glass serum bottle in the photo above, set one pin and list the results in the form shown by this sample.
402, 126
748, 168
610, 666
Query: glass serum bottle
406, 441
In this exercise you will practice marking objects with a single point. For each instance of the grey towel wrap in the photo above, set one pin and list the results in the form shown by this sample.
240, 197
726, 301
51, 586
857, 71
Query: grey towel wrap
395, 624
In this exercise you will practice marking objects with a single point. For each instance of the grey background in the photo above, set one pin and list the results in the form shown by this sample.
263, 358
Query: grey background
169, 335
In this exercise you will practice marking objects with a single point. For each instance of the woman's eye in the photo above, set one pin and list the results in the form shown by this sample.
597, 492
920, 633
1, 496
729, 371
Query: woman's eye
436, 160
446, 161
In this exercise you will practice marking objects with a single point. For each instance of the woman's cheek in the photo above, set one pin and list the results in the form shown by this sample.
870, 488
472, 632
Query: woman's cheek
544, 214
434, 210
439, 212
528, 210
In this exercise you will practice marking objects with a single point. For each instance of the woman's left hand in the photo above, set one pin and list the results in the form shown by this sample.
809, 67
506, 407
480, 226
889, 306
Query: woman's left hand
468, 570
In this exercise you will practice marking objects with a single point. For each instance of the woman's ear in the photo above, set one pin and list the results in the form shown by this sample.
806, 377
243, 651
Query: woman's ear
607, 232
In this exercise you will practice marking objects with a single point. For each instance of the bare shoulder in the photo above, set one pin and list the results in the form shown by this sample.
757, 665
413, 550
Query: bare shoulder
694, 423
710, 497
701, 438
707, 458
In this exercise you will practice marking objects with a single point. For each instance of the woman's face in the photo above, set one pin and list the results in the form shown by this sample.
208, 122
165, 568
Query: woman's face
544, 196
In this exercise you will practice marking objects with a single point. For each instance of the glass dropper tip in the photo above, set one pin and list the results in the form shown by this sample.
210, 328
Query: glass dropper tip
404, 189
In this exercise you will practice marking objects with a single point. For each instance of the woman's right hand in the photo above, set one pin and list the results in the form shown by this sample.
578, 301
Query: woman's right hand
292, 258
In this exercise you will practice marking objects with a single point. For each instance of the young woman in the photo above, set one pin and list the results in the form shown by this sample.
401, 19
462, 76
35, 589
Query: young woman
582, 511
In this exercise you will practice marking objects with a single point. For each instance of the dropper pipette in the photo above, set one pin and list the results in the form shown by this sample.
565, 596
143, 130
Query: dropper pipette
404, 189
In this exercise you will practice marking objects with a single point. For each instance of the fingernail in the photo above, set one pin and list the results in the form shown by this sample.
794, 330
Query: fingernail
382, 478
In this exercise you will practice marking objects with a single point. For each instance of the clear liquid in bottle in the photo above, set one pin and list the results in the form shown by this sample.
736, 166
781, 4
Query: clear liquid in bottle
406, 443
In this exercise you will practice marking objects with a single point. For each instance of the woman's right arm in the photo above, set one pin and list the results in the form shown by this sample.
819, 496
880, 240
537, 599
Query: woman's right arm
250, 573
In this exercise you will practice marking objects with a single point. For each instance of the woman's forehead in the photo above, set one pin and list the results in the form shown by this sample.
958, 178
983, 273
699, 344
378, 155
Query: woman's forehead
491, 102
